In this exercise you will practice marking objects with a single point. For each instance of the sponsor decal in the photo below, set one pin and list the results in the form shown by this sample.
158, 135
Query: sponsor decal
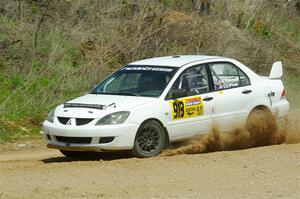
187, 107
146, 68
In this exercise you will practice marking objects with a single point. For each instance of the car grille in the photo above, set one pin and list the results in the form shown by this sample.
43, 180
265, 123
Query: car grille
83, 121
79, 121
74, 140
63, 120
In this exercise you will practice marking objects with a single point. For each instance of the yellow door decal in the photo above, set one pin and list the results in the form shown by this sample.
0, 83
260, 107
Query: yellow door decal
187, 107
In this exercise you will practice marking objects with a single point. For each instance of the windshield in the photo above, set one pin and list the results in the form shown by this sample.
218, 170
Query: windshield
146, 81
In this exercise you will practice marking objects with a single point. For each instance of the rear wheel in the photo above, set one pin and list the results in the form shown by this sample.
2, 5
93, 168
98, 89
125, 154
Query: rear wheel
262, 127
150, 140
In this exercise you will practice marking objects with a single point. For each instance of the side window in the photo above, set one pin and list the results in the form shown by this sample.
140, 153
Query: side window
243, 78
226, 75
193, 80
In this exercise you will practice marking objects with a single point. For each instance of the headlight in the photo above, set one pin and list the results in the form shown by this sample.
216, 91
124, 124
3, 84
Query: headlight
51, 116
114, 118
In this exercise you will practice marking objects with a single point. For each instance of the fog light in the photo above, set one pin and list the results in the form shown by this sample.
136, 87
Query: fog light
105, 140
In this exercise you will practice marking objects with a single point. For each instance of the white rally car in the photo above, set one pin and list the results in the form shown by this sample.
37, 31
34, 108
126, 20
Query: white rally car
153, 102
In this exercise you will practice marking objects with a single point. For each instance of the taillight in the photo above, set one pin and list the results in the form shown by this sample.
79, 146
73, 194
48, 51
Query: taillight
283, 94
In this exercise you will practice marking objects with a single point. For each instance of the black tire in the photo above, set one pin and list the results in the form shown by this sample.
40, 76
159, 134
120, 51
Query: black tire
262, 127
79, 154
149, 140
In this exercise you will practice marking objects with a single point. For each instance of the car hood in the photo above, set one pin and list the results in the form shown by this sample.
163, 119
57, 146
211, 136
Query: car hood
97, 106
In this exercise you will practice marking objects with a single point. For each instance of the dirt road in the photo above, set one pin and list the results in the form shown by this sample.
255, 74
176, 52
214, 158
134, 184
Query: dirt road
264, 172
30, 170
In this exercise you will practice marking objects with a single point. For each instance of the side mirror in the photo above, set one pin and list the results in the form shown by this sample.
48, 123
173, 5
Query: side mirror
178, 93
276, 71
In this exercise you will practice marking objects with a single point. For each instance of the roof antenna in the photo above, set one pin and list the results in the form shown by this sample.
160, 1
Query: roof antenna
175, 56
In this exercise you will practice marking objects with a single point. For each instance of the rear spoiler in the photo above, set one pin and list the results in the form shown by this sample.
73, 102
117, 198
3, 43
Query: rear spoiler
276, 71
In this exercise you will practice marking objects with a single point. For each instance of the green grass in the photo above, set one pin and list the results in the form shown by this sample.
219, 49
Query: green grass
12, 130
291, 30
36, 79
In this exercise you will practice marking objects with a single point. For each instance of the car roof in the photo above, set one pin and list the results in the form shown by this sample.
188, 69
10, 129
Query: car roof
175, 61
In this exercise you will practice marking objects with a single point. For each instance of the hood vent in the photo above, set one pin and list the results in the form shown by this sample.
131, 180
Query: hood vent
79, 105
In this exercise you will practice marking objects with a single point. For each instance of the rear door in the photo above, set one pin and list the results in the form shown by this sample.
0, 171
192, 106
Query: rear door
233, 94
192, 113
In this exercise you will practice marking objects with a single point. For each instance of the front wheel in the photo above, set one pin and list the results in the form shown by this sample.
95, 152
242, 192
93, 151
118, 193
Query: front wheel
150, 140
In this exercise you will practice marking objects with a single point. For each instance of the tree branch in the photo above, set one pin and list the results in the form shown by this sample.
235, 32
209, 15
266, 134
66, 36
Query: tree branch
40, 23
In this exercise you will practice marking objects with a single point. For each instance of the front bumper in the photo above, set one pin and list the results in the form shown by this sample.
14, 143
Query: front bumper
89, 138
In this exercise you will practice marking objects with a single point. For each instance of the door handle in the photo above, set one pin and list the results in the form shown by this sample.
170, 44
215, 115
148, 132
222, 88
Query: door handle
246, 91
208, 98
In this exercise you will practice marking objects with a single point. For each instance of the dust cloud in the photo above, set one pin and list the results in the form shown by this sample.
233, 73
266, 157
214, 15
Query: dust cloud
257, 133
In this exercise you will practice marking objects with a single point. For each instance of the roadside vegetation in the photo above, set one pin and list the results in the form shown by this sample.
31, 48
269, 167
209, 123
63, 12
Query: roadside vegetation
52, 51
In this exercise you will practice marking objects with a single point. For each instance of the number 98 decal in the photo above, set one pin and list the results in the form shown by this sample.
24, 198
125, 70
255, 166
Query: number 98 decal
178, 109
187, 108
